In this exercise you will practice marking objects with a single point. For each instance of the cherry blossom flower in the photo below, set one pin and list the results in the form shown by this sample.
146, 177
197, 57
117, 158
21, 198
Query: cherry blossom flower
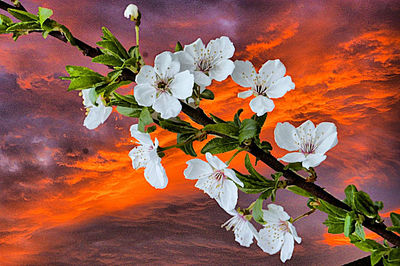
215, 179
96, 115
244, 231
145, 155
270, 82
162, 85
131, 11
208, 63
311, 142
278, 233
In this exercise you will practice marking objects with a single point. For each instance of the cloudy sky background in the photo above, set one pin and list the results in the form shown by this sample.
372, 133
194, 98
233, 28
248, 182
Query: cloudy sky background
69, 195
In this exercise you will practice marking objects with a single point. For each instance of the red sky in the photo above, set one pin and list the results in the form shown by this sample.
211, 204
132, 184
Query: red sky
69, 195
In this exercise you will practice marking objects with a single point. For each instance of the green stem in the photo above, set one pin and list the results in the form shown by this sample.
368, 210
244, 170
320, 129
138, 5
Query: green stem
137, 35
233, 156
176, 145
304, 215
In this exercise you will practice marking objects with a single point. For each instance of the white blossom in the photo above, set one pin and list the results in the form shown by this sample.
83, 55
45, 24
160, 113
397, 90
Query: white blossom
208, 63
270, 82
278, 233
131, 11
215, 179
163, 85
145, 155
311, 142
244, 231
96, 115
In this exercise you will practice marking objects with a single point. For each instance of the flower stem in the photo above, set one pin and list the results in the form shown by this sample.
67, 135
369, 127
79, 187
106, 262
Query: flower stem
137, 35
304, 215
233, 156
176, 145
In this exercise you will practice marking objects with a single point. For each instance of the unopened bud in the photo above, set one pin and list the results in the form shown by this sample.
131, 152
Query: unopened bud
132, 12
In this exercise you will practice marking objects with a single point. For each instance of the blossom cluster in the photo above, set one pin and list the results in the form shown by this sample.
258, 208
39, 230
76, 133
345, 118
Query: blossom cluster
173, 79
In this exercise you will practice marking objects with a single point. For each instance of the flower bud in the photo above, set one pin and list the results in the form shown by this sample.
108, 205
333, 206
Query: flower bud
132, 12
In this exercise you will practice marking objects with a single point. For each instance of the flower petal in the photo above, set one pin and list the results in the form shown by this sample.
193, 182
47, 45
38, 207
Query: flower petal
167, 105
313, 160
182, 85
143, 138
272, 70
275, 212
221, 70
92, 120
215, 162
245, 94
244, 73
197, 169
293, 157
287, 247
279, 87
245, 236
270, 239
165, 66
261, 105
231, 174
146, 75
186, 60
228, 195
145, 94
285, 136
222, 48
294, 233
201, 79
306, 127
155, 174
194, 49
139, 157
328, 143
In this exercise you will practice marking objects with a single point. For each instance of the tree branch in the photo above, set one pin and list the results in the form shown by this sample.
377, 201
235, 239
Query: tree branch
198, 116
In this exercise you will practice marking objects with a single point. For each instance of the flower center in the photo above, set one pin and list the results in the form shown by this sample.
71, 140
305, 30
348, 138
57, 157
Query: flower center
284, 226
219, 175
162, 85
203, 65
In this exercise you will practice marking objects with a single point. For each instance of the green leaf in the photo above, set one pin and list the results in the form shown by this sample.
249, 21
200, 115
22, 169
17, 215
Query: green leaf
207, 94
334, 211
251, 169
76, 71
24, 26
108, 60
349, 191
188, 147
376, 256
257, 211
151, 129
248, 129
359, 230
294, 166
111, 87
144, 119
364, 204
394, 255
299, 191
177, 126
236, 118
22, 15
129, 111
260, 120
178, 47
349, 224
378, 205
220, 145
93, 96
395, 218
4, 20
335, 225
228, 129
43, 14
85, 82
217, 119
394, 229
253, 186
112, 44
130, 99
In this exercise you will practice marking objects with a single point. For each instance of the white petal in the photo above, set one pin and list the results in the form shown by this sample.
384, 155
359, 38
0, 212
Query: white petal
201, 79
86, 98
306, 127
244, 73
313, 160
145, 94
215, 162
293, 157
197, 169
328, 143
186, 61
92, 120
275, 214
182, 85
194, 49
221, 70
228, 195
285, 136
146, 75
270, 239
155, 175
139, 157
143, 138
105, 113
273, 68
261, 105
131, 10
221, 48
209, 185
287, 247
245, 236
164, 66
323, 130
245, 94
231, 174
294, 233
279, 87
167, 105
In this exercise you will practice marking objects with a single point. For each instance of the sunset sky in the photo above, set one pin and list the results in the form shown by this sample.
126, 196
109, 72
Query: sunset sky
69, 195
